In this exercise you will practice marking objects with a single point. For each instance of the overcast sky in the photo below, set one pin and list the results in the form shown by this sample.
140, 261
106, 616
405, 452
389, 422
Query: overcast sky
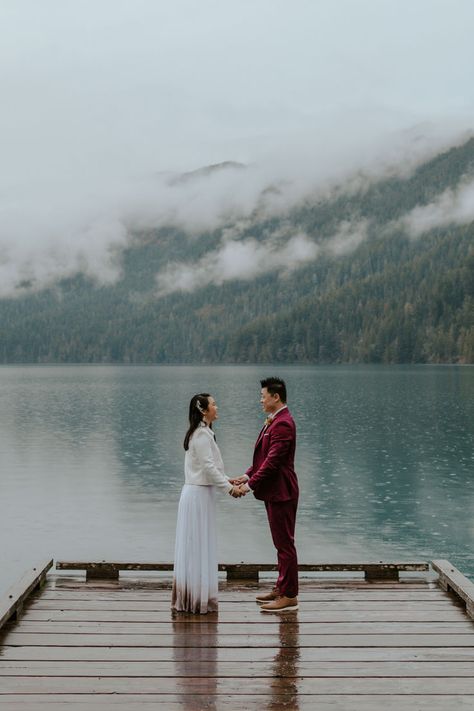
97, 95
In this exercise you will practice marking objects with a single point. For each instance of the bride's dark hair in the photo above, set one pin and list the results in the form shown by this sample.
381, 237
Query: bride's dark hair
197, 407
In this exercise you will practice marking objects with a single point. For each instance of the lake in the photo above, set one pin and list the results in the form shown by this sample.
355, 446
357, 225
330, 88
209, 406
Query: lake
92, 461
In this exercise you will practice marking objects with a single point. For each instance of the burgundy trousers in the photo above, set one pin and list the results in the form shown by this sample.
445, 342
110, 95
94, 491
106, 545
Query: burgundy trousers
282, 519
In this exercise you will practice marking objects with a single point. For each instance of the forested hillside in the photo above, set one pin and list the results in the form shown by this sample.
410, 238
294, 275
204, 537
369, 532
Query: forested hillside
391, 298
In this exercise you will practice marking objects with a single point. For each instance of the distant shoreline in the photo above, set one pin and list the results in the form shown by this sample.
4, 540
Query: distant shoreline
237, 365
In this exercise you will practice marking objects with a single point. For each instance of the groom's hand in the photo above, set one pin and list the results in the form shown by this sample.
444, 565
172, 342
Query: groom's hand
239, 480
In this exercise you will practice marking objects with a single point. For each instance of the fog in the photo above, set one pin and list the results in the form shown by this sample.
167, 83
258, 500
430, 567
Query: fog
105, 105
452, 207
280, 252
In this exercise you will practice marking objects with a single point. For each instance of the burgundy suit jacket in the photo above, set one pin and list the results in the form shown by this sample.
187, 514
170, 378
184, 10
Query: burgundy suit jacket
272, 476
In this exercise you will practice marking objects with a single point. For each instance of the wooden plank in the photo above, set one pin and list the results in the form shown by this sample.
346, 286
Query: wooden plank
254, 669
236, 655
450, 614
317, 597
196, 685
244, 567
244, 604
245, 628
243, 702
157, 606
157, 582
452, 580
249, 598
130, 585
373, 570
11, 603
136, 587
116, 590
251, 641
115, 565
247, 603
244, 600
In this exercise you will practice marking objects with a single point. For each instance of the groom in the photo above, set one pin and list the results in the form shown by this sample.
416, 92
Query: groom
272, 479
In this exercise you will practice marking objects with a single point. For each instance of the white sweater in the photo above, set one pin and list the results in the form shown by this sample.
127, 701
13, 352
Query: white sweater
203, 465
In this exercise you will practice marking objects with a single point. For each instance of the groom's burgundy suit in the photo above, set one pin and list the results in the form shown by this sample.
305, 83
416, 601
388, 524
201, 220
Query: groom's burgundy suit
272, 479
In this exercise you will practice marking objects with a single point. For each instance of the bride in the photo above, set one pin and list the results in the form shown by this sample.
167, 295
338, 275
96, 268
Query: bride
195, 560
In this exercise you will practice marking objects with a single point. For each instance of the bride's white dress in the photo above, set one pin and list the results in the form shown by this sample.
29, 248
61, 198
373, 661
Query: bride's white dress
195, 587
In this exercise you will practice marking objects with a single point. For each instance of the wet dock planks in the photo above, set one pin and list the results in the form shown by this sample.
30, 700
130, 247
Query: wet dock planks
352, 645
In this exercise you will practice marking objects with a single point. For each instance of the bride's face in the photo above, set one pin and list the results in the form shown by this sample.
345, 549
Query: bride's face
211, 413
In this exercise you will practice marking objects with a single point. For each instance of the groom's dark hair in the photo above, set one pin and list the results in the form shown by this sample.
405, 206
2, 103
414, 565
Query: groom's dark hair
275, 386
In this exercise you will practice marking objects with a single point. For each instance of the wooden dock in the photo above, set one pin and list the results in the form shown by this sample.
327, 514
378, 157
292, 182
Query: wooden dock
369, 643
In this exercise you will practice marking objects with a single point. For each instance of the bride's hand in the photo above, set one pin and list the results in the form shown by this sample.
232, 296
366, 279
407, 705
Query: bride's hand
235, 492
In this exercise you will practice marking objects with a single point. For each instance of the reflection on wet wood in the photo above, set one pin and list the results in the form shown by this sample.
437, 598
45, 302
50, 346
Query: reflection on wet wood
351, 646
236, 655
234, 597
249, 641
281, 683
164, 629
242, 702
156, 605
248, 615
253, 669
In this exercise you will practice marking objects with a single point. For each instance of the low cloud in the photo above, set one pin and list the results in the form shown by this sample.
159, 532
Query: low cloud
93, 250
50, 231
248, 258
451, 207
348, 237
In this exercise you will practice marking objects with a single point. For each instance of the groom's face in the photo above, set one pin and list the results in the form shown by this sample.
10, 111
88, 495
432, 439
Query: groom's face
269, 402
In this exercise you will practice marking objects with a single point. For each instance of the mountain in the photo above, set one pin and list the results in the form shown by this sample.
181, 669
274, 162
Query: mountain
370, 291
205, 172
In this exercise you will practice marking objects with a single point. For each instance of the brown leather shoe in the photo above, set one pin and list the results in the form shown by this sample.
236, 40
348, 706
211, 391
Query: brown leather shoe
281, 604
267, 597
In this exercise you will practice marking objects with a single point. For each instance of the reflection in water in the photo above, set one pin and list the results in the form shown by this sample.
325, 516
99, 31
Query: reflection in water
195, 658
285, 667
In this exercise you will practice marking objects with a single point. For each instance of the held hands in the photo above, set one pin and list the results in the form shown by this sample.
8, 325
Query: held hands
236, 491
240, 487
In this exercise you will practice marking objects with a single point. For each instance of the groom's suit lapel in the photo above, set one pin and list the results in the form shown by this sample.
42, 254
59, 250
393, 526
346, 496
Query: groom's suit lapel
260, 436
265, 428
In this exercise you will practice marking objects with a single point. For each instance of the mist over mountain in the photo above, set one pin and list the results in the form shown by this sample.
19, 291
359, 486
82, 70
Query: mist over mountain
373, 267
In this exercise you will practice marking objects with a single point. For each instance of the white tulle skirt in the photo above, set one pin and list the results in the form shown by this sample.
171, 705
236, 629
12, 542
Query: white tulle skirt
195, 559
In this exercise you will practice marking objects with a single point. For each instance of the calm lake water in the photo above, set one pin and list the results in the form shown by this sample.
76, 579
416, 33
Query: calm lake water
92, 462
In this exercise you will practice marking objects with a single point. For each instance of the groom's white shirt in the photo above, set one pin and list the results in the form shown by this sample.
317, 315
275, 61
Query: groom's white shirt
203, 465
274, 414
